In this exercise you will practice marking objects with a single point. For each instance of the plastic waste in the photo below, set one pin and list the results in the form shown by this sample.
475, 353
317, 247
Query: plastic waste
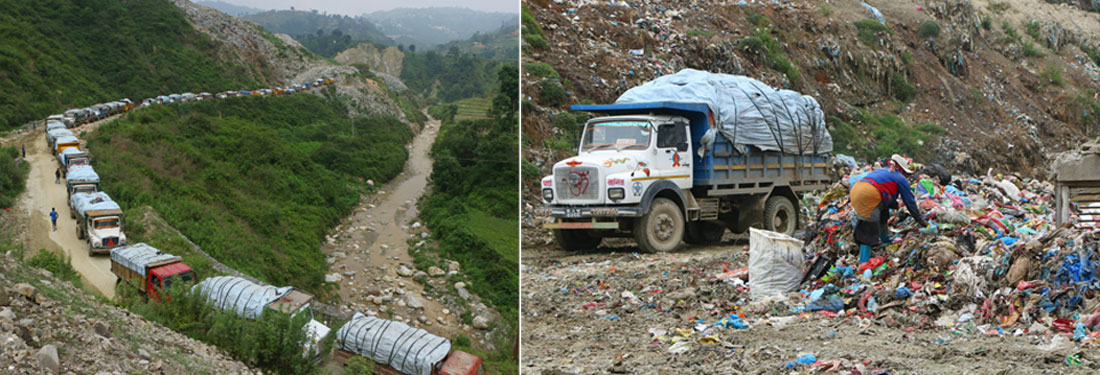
833, 304
806, 359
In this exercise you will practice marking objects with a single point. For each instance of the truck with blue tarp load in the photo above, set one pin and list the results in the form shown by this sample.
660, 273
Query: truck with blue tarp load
684, 157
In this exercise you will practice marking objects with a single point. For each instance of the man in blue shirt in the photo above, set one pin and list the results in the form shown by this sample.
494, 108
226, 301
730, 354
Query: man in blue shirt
874, 195
53, 218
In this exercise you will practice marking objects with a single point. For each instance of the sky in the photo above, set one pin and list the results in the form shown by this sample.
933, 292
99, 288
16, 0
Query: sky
358, 7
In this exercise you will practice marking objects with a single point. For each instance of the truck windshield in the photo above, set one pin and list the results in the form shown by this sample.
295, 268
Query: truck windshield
616, 135
107, 222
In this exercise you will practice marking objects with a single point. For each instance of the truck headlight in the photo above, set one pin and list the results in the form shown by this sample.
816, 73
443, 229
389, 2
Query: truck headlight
548, 194
616, 193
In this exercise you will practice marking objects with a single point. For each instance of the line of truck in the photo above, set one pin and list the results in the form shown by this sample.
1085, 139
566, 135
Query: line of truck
395, 348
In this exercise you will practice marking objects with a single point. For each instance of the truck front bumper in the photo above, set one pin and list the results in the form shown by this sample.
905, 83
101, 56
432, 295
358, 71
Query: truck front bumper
585, 212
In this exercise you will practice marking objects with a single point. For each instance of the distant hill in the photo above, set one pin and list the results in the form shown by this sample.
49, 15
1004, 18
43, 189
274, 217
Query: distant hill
429, 27
502, 44
231, 9
299, 23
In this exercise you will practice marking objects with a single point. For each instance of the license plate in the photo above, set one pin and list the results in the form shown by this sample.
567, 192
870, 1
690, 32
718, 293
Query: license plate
572, 212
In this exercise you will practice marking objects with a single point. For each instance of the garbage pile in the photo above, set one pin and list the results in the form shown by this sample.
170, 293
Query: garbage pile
991, 261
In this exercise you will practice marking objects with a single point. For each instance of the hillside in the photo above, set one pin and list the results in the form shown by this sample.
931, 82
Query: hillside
301, 24
502, 44
426, 28
258, 182
1006, 84
230, 9
68, 53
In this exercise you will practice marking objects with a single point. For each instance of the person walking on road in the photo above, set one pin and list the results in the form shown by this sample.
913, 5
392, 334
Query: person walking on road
57, 176
24, 151
872, 198
53, 218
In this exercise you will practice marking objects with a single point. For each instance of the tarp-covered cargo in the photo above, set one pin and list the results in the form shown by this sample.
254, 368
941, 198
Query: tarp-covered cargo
58, 133
410, 350
68, 153
81, 173
51, 125
244, 297
750, 112
84, 202
137, 256
66, 139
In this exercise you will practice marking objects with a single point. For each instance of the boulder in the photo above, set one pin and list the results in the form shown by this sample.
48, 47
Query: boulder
47, 357
333, 278
5, 299
434, 271
102, 329
420, 274
481, 322
414, 301
7, 314
453, 266
404, 271
27, 290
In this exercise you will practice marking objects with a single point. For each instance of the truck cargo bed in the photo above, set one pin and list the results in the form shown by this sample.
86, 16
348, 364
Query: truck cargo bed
725, 170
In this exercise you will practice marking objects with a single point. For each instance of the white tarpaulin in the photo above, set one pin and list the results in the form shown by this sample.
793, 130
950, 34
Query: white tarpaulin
137, 256
244, 297
84, 202
82, 173
410, 350
58, 133
775, 263
750, 113
71, 152
66, 139
51, 125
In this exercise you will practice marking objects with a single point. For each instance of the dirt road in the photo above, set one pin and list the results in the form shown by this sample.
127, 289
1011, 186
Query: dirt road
42, 195
372, 246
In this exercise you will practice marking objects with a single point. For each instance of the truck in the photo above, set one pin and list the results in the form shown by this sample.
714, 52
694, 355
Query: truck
1077, 186
150, 270
397, 349
98, 219
660, 166
70, 157
64, 142
251, 300
81, 179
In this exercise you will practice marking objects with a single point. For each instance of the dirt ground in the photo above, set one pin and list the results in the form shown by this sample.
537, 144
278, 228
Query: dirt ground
618, 311
41, 195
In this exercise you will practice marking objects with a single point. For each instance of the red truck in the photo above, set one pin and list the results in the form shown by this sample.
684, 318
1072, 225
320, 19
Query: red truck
152, 271
397, 349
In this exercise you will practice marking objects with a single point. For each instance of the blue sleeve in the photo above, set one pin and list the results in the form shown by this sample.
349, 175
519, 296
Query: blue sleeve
906, 194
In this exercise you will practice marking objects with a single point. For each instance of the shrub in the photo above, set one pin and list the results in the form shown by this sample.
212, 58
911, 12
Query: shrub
757, 20
903, 90
58, 265
1032, 29
987, 23
531, 171
1052, 74
541, 69
892, 135
929, 29
998, 8
868, 28
566, 121
358, 365
907, 57
13, 175
826, 10
551, 93
530, 24
1010, 31
1030, 50
536, 41
846, 139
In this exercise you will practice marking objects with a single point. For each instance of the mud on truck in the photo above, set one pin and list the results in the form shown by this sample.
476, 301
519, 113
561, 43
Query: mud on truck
684, 157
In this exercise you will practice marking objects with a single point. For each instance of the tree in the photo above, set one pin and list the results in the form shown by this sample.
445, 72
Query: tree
506, 103
412, 48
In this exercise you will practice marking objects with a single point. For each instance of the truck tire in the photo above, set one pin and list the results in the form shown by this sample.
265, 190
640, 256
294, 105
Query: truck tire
576, 240
704, 232
780, 215
79, 235
661, 229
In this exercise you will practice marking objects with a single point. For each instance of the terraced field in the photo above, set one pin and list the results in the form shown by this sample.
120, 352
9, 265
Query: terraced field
473, 109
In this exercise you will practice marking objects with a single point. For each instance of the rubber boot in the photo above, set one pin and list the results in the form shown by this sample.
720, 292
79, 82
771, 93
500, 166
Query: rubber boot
864, 253
885, 238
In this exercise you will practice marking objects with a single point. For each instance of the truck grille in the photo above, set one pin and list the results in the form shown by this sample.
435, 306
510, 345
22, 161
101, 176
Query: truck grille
110, 242
577, 183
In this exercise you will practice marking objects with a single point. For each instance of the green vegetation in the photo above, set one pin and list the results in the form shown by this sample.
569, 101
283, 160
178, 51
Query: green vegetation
1030, 50
929, 29
258, 181
541, 69
67, 53
826, 10
1092, 52
889, 135
1052, 74
1032, 28
274, 342
58, 265
472, 210
763, 45
327, 45
450, 76
308, 24
502, 44
13, 175
987, 22
551, 94
530, 29
1084, 112
1010, 31
998, 8
473, 109
358, 365
757, 20
902, 89
907, 57
702, 33
869, 28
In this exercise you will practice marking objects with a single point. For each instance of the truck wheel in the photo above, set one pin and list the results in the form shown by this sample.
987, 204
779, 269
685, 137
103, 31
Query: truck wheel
779, 215
704, 232
661, 229
576, 240
78, 234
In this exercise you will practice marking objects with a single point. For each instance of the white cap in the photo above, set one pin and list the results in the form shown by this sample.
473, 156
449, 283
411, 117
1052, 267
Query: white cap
904, 163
